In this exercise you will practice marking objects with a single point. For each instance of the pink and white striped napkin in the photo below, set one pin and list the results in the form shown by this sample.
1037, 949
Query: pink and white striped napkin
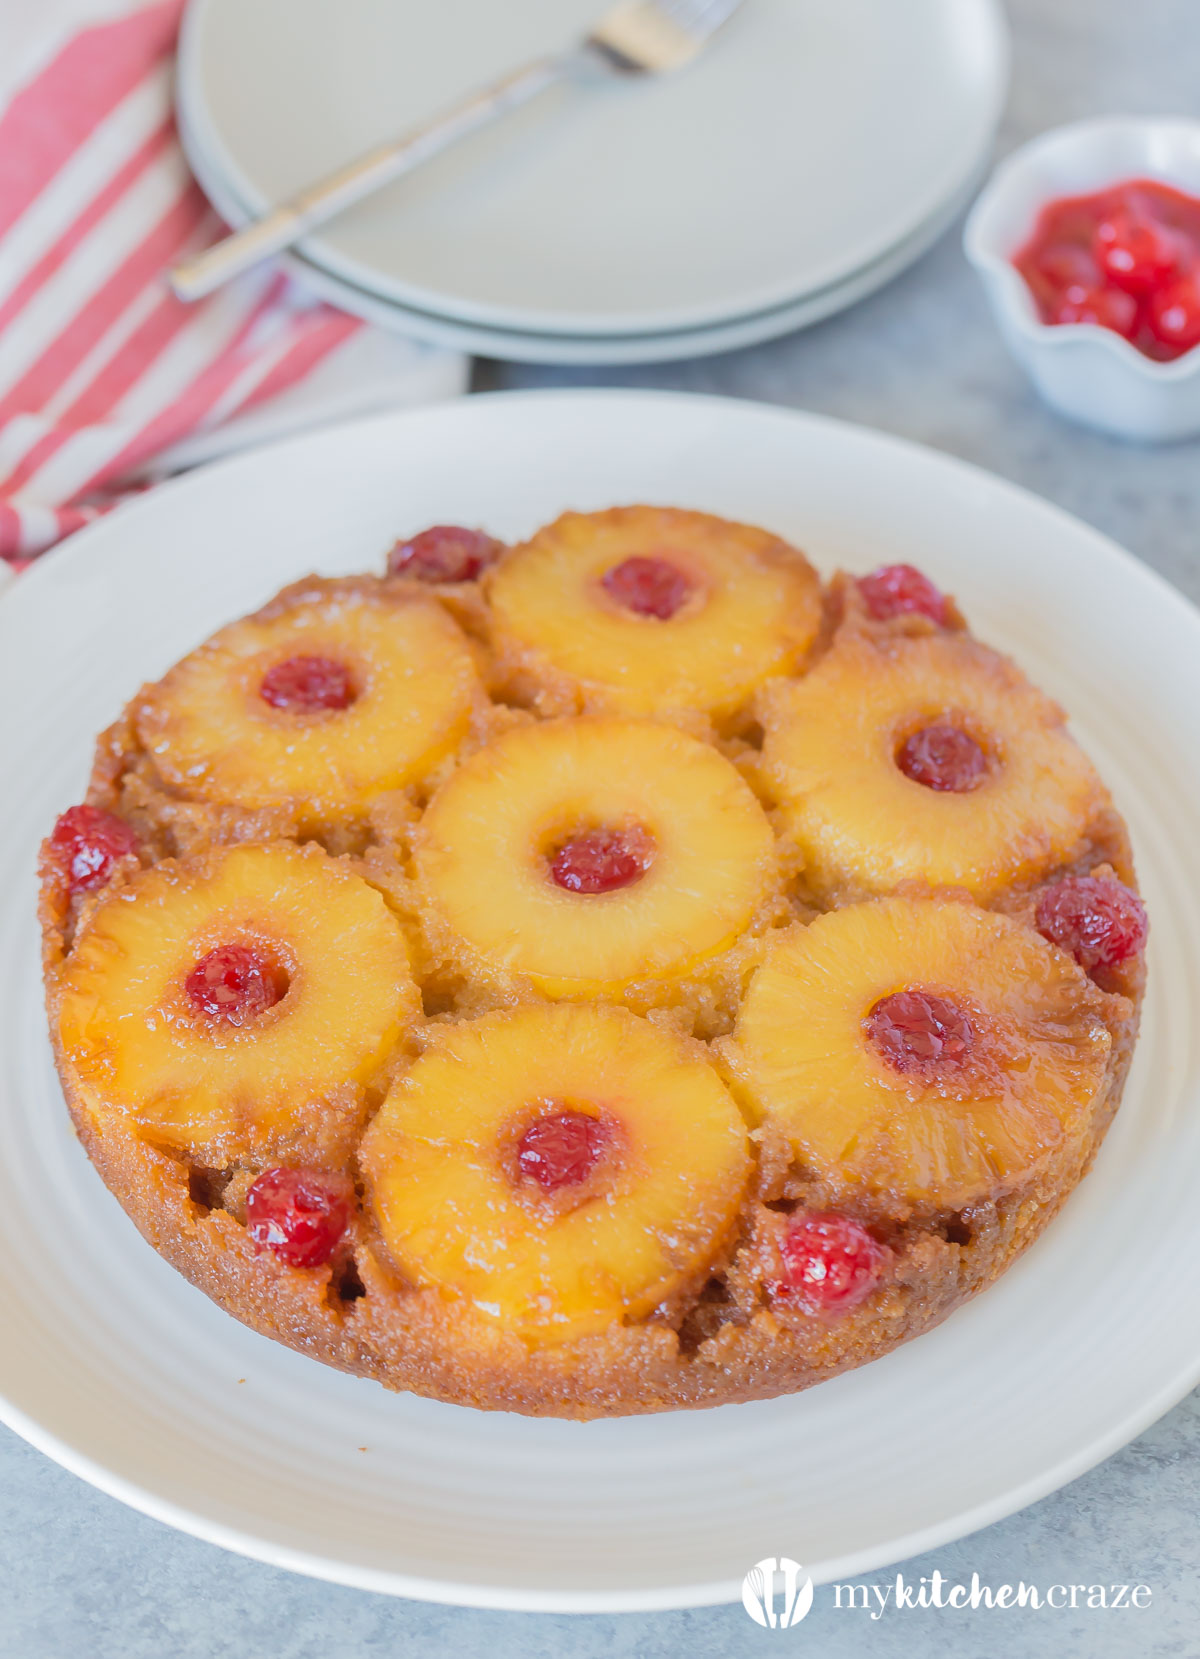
106, 379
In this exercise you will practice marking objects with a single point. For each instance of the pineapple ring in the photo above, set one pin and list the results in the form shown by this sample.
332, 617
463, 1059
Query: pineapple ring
483, 846
213, 737
869, 1131
135, 1045
829, 757
439, 1177
753, 611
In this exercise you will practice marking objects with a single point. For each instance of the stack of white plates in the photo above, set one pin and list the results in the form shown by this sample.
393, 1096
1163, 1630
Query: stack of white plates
813, 151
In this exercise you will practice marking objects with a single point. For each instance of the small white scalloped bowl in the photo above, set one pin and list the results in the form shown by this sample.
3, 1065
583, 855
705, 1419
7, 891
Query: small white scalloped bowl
1087, 373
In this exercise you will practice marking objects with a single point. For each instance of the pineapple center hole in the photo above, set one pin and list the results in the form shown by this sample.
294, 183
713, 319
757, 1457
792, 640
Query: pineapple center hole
918, 1032
648, 586
942, 757
561, 1149
236, 984
309, 685
602, 860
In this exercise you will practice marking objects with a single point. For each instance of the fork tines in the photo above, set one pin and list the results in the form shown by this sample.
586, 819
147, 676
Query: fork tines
658, 35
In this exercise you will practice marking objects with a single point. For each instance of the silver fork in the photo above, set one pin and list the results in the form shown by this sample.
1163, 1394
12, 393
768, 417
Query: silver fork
636, 37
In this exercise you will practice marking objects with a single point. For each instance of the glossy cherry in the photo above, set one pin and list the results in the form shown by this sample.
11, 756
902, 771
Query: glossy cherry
602, 860
299, 1214
830, 1261
308, 685
900, 590
1110, 308
1134, 251
648, 586
444, 553
1173, 315
918, 1032
235, 984
85, 843
561, 1150
1099, 920
942, 757
1126, 258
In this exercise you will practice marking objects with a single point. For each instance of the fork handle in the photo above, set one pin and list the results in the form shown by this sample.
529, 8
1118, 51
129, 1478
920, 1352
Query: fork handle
287, 223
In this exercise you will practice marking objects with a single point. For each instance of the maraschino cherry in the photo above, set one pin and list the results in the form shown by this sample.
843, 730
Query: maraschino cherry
298, 1214
916, 1031
830, 1261
444, 553
1099, 920
86, 843
602, 860
942, 757
902, 590
561, 1150
235, 984
308, 685
648, 586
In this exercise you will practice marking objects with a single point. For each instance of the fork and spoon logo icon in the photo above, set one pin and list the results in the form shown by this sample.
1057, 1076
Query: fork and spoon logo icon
759, 1593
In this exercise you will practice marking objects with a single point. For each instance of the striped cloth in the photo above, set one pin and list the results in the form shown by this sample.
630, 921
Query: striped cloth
104, 375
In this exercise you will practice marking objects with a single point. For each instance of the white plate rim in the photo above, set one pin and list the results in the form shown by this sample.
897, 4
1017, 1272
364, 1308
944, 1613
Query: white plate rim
849, 1565
989, 22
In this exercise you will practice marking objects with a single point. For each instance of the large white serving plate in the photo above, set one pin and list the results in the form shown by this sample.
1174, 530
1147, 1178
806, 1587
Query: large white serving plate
809, 140
112, 1364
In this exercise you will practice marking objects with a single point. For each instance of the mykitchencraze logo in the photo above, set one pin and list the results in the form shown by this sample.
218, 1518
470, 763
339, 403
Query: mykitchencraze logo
775, 1597
936, 1591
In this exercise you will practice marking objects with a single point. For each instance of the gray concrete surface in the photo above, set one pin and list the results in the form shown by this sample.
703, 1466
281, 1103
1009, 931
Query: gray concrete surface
80, 1575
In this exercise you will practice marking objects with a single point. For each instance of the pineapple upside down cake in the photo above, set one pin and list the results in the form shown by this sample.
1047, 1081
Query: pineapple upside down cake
601, 975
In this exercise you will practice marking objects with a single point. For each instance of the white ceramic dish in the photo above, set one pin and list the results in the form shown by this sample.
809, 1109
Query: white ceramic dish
512, 345
112, 1364
1086, 372
804, 145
